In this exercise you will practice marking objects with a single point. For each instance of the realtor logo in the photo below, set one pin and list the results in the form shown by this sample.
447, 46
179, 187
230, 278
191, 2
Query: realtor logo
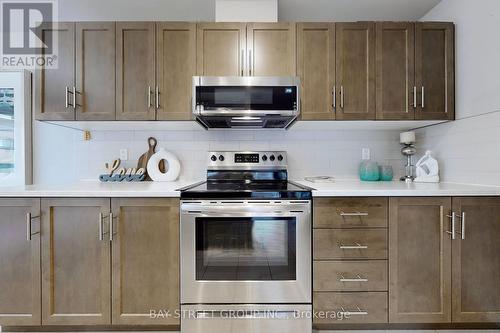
23, 42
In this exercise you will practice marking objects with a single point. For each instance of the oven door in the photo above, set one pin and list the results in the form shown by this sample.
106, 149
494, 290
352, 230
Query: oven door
238, 252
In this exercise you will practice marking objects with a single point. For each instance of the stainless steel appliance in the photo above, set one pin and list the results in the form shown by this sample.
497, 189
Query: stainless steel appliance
246, 247
246, 102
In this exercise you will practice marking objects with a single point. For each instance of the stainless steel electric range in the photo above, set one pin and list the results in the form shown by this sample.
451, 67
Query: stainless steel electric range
246, 247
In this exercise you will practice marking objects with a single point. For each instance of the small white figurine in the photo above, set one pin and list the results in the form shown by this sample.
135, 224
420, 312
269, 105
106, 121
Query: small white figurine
427, 169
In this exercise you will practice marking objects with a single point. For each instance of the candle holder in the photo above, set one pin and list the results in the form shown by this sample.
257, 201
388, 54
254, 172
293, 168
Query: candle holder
407, 139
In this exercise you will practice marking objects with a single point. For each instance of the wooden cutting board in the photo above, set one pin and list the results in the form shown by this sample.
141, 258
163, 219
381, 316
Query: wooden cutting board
143, 160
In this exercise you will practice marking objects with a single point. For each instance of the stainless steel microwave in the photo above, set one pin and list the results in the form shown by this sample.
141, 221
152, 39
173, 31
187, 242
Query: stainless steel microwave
246, 102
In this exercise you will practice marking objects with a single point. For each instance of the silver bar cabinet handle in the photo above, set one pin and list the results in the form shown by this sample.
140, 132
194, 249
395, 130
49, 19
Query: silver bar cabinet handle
110, 227
342, 97
463, 226
353, 214
242, 62
101, 217
414, 97
66, 98
250, 65
334, 97
453, 231
423, 97
157, 97
149, 96
356, 312
358, 278
357, 246
74, 98
28, 227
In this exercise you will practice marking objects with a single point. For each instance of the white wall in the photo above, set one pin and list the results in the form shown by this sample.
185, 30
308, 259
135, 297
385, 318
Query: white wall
469, 148
204, 10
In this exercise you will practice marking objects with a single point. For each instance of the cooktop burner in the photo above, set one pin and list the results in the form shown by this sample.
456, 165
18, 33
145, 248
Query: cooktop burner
242, 190
243, 175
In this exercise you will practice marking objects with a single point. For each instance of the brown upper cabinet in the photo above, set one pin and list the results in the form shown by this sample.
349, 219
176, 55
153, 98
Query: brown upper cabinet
54, 86
82, 87
355, 71
95, 71
221, 49
20, 262
435, 70
415, 71
135, 71
316, 69
175, 67
271, 49
240, 49
395, 62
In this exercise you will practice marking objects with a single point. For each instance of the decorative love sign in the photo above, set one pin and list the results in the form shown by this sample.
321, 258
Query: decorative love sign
116, 174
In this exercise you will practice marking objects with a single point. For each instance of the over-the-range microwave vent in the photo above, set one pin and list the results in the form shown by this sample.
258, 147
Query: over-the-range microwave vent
227, 102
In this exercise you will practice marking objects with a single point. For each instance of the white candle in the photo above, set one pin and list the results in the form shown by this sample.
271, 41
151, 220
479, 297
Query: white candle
407, 137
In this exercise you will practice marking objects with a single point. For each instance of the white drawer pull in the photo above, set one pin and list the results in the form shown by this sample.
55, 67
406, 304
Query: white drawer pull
356, 312
358, 278
356, 246
353, 214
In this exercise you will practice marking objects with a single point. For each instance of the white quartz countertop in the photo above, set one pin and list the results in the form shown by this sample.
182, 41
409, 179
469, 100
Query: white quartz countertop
356, 188
341, 188
98, 189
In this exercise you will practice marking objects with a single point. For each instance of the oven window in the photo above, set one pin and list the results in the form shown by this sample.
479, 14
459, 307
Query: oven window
253, 249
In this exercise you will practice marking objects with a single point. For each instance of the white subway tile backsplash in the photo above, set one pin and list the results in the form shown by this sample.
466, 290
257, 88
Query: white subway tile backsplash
335, 153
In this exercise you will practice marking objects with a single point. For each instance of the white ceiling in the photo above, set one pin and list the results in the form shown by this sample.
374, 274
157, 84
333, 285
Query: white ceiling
204, 10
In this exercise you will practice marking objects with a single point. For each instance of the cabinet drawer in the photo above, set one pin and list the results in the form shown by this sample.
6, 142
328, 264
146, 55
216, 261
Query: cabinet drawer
350, 213
349, 244
350, 275
355, 308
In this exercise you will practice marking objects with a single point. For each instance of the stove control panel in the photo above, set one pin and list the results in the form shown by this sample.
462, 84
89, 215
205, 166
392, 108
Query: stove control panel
247, 160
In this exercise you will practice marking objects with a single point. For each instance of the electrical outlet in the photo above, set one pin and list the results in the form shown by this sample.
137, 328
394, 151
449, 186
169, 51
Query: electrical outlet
365, 153
123, 154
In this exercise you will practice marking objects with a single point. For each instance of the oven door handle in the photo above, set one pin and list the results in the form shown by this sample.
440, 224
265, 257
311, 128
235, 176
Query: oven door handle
242, 213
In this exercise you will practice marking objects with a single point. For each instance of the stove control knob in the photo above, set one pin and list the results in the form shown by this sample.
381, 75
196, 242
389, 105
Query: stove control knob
272, 158
213, 158
280, 158
264, 158
221, 158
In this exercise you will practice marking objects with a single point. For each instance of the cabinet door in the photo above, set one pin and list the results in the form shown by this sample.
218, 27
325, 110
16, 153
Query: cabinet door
175, 67
135, 70
316, 69
355, 74
271, 49
53, 99
435, 70
419, 260
19, 263
75, 263
476, 260
145, 256
395, 62
221, 49
95, 71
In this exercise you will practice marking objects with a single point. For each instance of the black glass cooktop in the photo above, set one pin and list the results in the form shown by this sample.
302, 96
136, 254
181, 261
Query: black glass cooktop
241, 190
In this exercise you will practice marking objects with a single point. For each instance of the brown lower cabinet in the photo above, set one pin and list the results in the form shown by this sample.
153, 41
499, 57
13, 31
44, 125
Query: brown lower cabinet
435, 277
19, 262
90, 266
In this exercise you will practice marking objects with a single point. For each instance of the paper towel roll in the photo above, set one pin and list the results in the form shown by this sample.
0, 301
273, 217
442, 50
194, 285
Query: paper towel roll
172, 166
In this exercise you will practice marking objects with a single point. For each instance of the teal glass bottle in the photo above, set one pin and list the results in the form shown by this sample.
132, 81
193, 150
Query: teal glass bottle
369, 171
